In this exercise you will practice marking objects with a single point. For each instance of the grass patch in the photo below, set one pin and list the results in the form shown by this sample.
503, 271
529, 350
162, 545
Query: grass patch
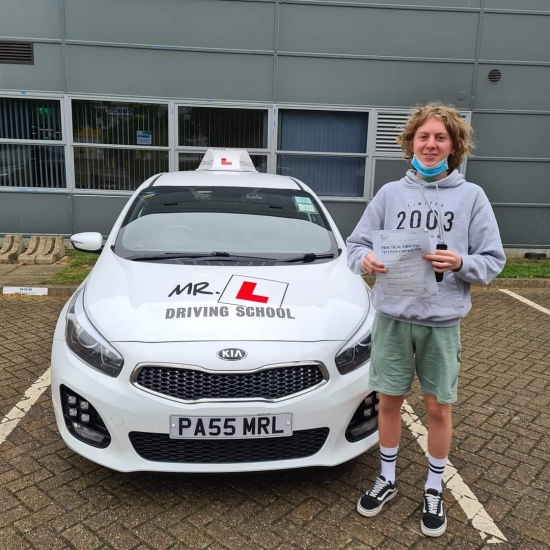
526, 269
78, 265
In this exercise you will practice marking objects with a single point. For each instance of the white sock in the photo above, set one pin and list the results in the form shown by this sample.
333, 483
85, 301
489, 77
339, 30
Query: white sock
436, 467
388, 459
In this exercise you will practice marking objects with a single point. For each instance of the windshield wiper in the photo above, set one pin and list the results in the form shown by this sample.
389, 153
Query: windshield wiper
307, 258
178, 256
173, 256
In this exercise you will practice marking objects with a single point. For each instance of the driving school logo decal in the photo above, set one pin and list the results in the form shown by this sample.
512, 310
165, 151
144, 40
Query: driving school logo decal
252, 297
241, 290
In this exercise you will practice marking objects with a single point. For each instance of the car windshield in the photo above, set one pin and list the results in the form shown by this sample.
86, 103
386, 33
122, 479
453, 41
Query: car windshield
270, 224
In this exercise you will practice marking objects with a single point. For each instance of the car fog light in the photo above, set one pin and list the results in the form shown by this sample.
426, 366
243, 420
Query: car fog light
90, 435
90, 429
364, 428
364, 421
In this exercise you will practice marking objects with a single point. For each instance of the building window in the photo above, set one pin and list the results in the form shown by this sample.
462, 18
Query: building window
200, 128
327, 150
118, 145
32, 152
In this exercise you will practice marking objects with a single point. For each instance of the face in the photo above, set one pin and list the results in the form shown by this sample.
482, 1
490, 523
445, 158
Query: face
432, 143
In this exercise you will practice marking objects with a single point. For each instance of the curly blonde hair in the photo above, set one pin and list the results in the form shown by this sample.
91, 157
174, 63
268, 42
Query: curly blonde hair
462, 134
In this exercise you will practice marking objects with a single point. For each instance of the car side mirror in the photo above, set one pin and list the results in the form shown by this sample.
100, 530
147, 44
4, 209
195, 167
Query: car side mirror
88, 242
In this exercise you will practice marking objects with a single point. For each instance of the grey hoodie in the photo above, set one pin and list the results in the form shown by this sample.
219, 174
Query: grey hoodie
461, 214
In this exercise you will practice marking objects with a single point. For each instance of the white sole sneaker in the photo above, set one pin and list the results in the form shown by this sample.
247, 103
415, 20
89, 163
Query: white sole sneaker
374, 511
433, 532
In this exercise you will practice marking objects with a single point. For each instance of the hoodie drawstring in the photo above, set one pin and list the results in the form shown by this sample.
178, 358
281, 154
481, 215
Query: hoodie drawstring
438, 215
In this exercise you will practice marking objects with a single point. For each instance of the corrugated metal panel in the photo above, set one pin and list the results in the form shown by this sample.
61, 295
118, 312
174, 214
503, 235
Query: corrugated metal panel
20, 53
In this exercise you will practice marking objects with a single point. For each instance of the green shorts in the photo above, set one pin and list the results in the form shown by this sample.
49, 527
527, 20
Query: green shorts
400, 348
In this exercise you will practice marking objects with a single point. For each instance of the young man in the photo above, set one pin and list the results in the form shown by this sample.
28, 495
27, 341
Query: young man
422, 334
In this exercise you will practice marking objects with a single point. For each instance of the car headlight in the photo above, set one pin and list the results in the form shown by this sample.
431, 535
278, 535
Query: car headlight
357, 350
85, 341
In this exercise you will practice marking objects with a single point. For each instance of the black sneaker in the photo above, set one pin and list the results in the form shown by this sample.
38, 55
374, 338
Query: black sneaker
372, 501
434, 520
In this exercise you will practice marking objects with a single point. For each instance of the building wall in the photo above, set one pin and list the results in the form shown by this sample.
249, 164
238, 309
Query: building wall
357, 54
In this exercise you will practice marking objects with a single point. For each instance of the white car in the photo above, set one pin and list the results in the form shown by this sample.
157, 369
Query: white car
220, 330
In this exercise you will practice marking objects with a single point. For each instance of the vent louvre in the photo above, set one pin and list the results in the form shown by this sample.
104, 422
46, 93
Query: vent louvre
20, 53
387, 129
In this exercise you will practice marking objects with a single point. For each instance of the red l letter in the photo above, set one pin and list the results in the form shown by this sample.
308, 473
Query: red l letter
246, 292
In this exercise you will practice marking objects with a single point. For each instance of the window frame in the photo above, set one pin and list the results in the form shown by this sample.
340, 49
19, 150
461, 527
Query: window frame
72, 144
270, 152
367, 155
41, 143
224, 105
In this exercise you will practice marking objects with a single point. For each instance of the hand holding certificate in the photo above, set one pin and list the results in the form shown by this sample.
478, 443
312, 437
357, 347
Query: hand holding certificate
407, 273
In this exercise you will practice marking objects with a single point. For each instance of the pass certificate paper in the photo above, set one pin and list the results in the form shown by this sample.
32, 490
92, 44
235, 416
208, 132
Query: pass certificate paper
400, 250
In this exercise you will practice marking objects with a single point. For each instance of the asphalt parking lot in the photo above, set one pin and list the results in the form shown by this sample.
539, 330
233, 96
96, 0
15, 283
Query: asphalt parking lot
52, 498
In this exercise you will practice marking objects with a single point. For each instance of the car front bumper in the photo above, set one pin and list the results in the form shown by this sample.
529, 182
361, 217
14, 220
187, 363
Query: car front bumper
127, 410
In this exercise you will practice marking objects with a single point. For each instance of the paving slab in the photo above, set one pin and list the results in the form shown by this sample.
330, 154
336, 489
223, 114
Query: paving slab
52, 498
5, 269
29, 274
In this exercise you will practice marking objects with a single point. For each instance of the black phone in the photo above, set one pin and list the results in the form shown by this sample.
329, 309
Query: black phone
439, 276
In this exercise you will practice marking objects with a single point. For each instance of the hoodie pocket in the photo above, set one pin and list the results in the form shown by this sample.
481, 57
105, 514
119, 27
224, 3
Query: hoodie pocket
458, 291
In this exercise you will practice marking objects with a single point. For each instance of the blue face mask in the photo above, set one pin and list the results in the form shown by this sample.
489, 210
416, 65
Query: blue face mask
429, 171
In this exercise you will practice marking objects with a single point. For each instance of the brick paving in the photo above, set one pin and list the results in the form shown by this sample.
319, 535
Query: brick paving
53, 498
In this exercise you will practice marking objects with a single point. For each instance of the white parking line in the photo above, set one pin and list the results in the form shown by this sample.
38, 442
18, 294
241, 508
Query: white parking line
525, 300
13, 418
473, 509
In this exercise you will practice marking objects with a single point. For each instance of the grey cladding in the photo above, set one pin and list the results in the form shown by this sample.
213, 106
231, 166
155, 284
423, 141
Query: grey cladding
157, 73
422, 3
523, 227
34, 206
192, 23
512, 182
380, 32
41, 20
371, 82
515, 37
521, 87
46, 74
512, 135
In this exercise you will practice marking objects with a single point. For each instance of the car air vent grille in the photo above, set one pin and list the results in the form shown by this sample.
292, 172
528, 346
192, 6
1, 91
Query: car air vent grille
160, 448
193, 385
222, 263
20, 53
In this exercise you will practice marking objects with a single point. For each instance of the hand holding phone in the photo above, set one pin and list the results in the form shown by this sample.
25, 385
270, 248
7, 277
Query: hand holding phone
439, 276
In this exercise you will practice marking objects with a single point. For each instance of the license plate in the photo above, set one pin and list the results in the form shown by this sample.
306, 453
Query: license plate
230, 427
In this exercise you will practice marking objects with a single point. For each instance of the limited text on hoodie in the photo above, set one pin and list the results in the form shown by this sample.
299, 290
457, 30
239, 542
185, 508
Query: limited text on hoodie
461, 214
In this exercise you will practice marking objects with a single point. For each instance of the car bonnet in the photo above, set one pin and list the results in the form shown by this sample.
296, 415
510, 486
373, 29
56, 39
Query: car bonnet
161, 302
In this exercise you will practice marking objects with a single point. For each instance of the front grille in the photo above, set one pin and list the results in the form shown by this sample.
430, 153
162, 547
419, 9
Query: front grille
160, 448
188, 384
